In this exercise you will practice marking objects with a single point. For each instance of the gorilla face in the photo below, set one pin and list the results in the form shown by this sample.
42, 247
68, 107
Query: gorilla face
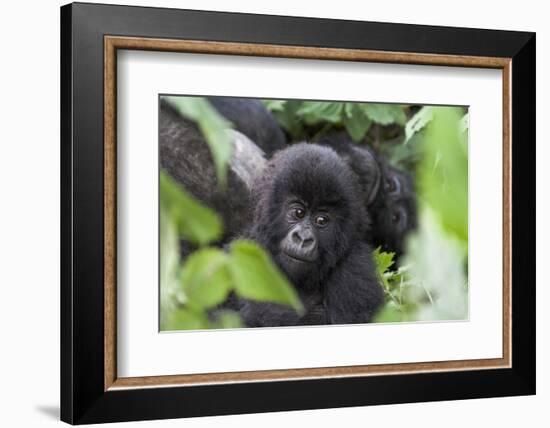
396, 216
397, 183
310, 211
301, 241
389, 195
308, 229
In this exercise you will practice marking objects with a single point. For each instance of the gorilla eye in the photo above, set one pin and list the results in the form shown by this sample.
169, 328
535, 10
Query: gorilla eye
299, 212
321, 220
392, 185
396, 216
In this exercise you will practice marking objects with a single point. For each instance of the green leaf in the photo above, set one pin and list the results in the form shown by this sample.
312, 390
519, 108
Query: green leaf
275, 105
227, 319
418, 122
314, 112
437, 264
187, 319
385, 114
256, 277
383, 260
285, 113
205, 278
169, 266
213, 126
390, 312
443, 172
464, 123
355, 121
404, 156
194, 221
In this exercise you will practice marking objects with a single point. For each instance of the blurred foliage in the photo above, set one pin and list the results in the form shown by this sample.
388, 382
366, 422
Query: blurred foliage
429, 282
193, 221
443, 171
418, 122
212, 125
191, 292
296, 116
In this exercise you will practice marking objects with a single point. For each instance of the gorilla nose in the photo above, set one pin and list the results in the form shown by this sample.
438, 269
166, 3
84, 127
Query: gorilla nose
304, 239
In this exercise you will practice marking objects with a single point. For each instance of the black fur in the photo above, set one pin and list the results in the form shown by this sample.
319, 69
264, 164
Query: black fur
394, 211
388, 194
250, 117
185, 156
341, 286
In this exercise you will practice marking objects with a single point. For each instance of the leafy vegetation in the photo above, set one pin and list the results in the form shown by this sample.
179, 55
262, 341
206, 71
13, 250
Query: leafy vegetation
429, 282
212, 125
296, 116
190, 290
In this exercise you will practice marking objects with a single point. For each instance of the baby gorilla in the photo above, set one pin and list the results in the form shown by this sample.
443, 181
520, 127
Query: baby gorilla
309, 216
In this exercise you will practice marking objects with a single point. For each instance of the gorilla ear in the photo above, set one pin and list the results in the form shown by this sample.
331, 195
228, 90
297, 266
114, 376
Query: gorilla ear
372, 172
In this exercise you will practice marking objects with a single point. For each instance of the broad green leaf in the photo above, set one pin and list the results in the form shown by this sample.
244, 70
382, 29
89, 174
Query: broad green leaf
205, 278
443, 172
213, 126
195, 222
227, 319
187, 319
274, 105
356, 122
313, 112
404, 156
385, 114
285, 113
256, 277
418, 122
464, 123
437, 266
169, 266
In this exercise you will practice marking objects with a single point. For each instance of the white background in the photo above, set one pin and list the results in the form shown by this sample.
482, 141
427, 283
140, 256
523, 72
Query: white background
144, 352
29, 219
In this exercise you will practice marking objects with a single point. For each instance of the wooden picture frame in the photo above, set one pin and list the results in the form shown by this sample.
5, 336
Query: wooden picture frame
90, 389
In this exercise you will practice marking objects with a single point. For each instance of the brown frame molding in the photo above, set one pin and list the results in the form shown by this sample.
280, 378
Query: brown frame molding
113, 43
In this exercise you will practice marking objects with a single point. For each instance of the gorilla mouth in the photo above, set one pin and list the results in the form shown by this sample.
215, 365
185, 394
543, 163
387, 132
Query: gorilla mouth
300, 258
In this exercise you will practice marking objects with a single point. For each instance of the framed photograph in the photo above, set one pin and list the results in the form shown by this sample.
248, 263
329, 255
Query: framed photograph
266, 213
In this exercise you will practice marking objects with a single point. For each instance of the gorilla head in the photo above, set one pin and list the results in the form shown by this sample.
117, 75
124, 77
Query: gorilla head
395, 213
309, 211
310, 216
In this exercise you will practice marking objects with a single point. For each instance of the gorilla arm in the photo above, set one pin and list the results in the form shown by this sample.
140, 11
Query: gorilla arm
265, 314
353, 292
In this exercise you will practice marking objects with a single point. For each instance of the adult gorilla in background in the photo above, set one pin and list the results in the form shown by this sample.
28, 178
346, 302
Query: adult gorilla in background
395, 210
387, 193
308, 215
250, 117
185, 156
